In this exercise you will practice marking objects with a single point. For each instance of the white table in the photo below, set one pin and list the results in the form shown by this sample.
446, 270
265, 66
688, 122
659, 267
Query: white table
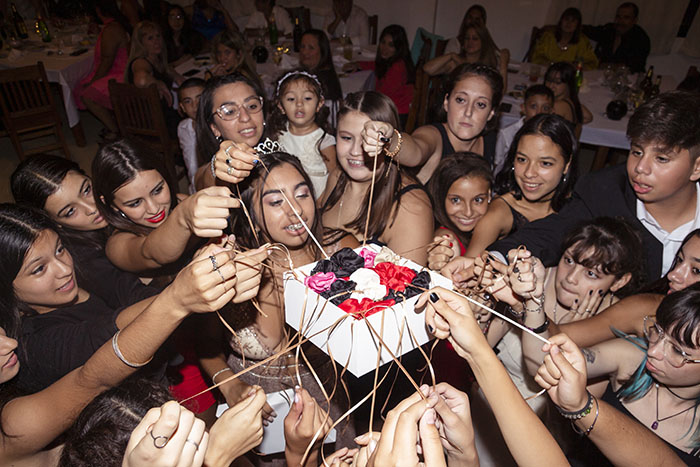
66, 70
601, 131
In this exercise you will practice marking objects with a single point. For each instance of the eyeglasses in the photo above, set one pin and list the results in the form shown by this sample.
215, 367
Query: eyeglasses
231, 111
673, 354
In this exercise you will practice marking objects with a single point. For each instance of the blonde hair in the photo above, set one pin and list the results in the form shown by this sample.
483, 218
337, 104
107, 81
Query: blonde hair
139, 51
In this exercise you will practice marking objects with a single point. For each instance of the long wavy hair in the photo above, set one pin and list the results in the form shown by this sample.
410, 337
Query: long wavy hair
387, 185
207, 145
332, 89
560, 131
488, 73
450, 169
251, 191
490, 53
402, 53
40, 176
679, 317
115, 165
138, 50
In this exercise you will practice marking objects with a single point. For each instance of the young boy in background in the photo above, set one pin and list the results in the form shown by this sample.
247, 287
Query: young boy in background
188, 95
539, 99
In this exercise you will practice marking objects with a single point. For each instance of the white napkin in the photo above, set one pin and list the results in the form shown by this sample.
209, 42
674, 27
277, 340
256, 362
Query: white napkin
288, 62
15, 55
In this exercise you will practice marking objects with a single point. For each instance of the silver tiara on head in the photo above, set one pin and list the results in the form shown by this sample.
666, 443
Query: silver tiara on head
295, 73
267, 147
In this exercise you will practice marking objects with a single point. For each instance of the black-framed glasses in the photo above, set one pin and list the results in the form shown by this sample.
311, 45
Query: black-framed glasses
231, 111
676, 356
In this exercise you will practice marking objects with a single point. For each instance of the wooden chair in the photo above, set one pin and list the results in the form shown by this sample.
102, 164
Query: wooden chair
140, 116
373, 24
418, 109
29, 111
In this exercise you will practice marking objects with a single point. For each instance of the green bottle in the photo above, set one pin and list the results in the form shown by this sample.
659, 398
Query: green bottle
42, 29
579, 75
273, 31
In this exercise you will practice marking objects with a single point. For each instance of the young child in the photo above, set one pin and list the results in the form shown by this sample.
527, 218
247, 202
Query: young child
461, 193
656, 189
393, 68
539, 99
298, 119
188, 96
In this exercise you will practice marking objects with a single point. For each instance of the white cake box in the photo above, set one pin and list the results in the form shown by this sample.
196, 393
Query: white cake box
351, 341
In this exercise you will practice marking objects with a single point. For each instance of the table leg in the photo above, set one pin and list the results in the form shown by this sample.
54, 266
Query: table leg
79, 135
601, 157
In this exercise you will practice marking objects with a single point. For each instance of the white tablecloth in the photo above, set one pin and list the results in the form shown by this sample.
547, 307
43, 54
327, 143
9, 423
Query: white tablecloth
62, 69
601, 131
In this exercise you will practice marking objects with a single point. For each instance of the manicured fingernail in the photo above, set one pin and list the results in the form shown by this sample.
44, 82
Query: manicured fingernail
576, 300
431, 329
372, 446
256, 162
450, 244
590, 292
430, 417
600, 292
434, 297
516, 269
360, 438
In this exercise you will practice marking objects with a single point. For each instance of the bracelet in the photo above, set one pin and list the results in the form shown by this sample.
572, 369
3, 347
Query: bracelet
118, 352
540, 307
213, 170
213, 378
579, 413
590, 428
542, 328
398, 145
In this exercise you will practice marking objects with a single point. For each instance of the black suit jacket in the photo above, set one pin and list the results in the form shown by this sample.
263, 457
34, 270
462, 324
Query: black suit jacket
606, 193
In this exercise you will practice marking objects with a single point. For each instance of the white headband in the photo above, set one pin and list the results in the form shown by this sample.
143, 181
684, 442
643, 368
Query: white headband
294, 73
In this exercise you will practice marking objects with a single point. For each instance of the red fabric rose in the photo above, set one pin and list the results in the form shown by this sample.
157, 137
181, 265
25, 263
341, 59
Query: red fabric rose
356, 308
394, 276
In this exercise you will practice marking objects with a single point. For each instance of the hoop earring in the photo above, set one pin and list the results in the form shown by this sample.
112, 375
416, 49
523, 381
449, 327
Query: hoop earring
219, 139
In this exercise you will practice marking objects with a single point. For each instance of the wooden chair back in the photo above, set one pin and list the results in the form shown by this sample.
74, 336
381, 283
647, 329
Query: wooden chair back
29, 111
440, 47
373, 25
140, 116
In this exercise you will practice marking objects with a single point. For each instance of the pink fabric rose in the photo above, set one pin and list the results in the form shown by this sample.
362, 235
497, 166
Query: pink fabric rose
320, 282
368, 256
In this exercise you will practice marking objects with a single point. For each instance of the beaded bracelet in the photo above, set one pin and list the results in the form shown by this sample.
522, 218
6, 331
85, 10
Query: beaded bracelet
398, 145
540, 307
579, 413
213, 378
120, 356
590, 428
213, 169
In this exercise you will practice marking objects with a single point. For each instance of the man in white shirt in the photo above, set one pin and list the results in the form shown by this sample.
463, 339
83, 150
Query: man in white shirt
266, 9
348, 20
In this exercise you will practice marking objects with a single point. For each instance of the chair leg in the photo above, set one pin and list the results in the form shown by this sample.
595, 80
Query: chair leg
14, 138
59, 134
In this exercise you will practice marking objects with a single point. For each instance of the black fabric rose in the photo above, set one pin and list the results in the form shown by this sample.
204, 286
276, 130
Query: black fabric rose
421, 280
337, 291
347, 262
324, 265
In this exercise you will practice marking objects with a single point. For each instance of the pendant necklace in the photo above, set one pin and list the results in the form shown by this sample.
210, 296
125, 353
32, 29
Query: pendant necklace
655, 425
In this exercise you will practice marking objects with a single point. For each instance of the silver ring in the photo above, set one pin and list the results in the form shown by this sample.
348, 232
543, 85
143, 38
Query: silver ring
158, 444
588, 310
229, 170
520, 279
228, 149
215, 267
196, 445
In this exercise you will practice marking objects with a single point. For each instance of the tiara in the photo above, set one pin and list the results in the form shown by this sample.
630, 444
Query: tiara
267, 147
294, 73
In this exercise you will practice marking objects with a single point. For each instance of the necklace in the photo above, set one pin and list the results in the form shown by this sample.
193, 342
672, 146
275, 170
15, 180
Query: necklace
655, 425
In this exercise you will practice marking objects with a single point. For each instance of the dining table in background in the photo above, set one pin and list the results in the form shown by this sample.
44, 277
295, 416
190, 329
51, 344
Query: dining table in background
67, 59
594, 94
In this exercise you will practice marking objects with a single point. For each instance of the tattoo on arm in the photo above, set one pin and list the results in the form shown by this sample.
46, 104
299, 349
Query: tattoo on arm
589, 355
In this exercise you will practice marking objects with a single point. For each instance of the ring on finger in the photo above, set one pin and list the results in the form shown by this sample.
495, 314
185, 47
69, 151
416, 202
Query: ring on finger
159, 441
196, 444
227, 150
520, 278
229, 170
228, 162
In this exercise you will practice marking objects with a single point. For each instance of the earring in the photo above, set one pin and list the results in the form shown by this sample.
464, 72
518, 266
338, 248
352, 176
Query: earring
566, 177
219, 139
121, 213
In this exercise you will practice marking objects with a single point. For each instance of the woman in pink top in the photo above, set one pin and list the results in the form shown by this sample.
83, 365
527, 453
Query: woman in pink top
111, 54
393, 69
